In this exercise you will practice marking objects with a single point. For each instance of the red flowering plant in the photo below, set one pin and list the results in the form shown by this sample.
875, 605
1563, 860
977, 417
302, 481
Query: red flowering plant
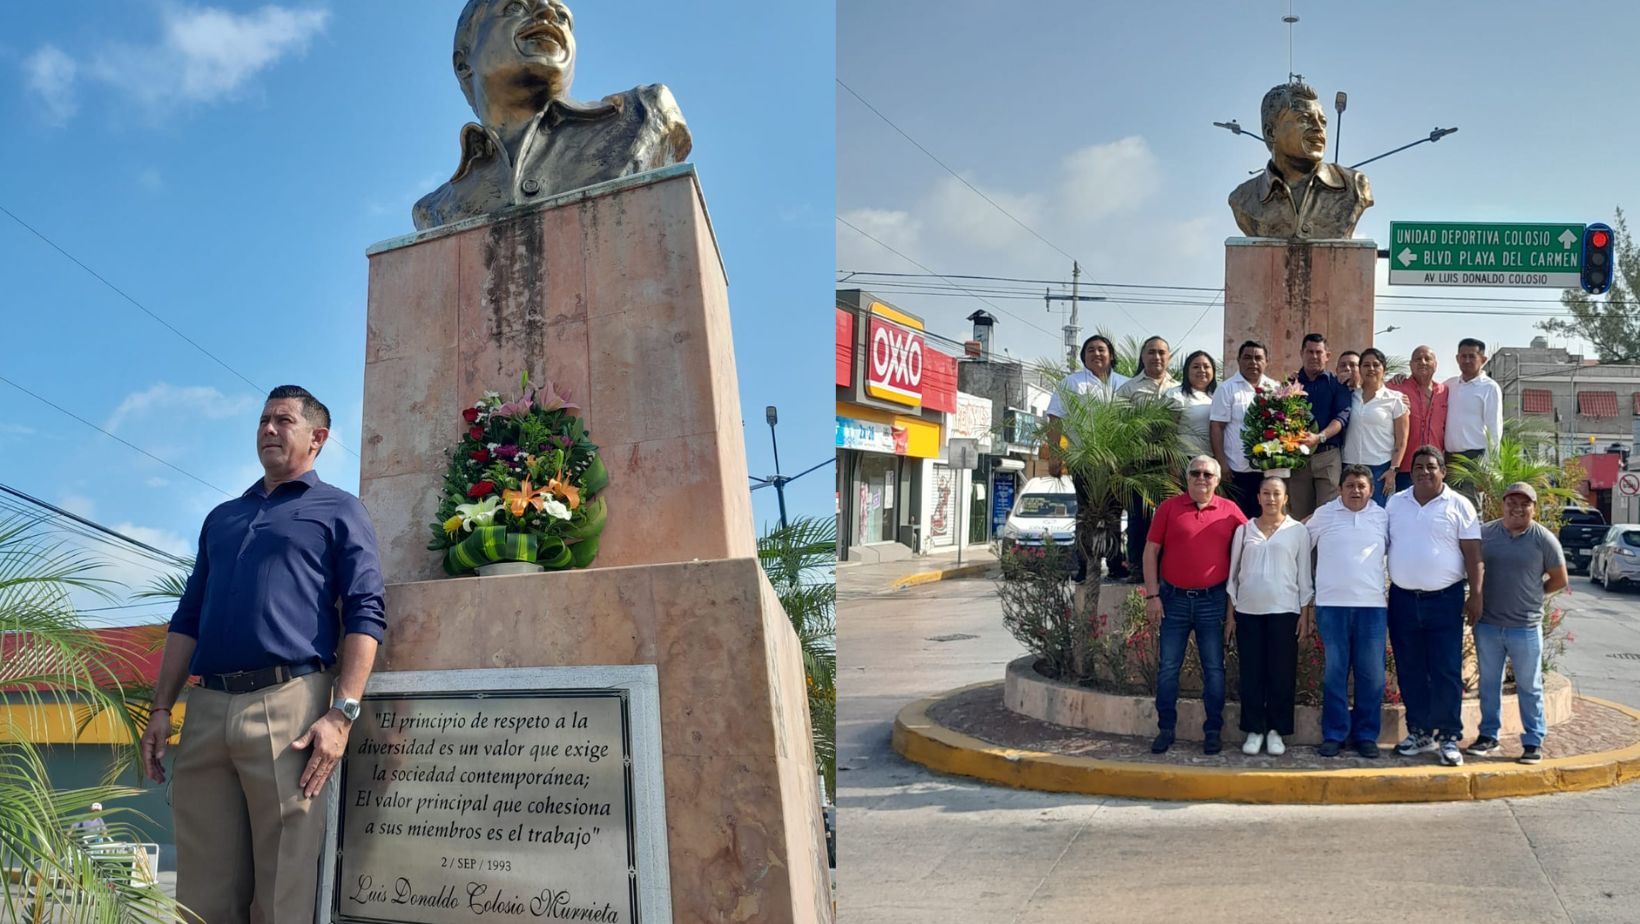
1275, 426
523, 485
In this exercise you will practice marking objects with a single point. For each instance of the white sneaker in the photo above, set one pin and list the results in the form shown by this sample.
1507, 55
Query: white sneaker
1253, 743
1274, 745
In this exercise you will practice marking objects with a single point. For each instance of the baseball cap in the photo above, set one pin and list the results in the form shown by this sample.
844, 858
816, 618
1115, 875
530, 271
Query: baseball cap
1522, 488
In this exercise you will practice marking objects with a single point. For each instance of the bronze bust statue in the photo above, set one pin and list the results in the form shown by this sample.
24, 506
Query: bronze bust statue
515, 60
1299, 195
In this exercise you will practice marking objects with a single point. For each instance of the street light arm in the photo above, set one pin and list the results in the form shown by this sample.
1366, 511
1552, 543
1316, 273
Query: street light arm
1435, 135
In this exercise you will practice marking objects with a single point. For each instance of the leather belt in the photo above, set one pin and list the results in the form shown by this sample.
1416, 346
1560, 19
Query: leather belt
1194, 591
1429, 593
251, 681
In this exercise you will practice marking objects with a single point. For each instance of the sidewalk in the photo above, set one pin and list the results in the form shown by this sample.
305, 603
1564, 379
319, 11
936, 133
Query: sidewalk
887, 577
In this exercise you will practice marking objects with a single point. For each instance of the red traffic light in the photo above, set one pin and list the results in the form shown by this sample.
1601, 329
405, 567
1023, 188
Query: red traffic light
1599, 239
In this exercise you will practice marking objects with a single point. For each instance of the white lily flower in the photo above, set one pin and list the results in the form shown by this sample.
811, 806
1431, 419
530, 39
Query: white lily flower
481, 513
554, 507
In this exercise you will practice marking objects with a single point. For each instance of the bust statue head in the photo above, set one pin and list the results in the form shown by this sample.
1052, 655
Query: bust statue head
1295, 127
513, 57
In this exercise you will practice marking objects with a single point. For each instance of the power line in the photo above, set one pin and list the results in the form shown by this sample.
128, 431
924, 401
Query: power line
907, 259
961, 179
1486, 299
111, 436
141, 307
93, 525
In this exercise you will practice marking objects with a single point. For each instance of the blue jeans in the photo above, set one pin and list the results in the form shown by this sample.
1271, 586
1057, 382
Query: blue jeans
1524, 648
1426, 633
1183, 613
1379, 495
1353, 639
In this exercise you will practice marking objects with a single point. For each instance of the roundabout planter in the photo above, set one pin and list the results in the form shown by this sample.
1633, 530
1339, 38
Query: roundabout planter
1031, 694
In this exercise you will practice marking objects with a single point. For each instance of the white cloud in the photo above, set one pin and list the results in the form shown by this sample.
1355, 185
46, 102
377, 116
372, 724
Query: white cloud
157, 482
203, 55
962, 213
196, 400
892, 227
51, 73
1105, 179
162, 539
79, 504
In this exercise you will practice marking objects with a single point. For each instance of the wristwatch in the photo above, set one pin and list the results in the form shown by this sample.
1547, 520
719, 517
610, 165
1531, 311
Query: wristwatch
349, 708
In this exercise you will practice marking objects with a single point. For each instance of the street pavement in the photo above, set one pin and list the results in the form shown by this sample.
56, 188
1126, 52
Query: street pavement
915, 846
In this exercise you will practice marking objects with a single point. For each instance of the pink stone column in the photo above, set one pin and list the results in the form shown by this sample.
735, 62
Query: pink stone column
1277, 291
618, 294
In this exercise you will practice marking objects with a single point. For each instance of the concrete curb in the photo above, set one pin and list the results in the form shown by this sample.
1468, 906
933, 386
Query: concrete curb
943, 574
919, 739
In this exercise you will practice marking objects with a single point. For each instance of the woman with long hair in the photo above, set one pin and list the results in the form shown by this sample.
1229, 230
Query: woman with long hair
1194, 399
1377, 434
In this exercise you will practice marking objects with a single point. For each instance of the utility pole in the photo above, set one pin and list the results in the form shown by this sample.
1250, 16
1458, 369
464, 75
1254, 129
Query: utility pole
1072, 330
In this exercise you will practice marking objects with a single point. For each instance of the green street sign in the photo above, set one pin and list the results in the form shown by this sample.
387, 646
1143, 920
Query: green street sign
1455, 253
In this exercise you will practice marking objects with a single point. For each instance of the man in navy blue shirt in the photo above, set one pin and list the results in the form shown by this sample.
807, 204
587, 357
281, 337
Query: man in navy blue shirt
280, 620
1317, 484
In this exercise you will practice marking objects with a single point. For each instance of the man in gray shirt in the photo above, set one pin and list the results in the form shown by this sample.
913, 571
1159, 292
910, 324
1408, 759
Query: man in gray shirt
1519, 553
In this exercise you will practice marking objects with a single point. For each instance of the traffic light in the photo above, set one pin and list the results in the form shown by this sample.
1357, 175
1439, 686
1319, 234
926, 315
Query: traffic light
1596, 274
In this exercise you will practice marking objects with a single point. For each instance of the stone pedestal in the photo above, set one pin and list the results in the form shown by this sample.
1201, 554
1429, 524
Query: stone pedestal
1276, 291
742, 799
616, 292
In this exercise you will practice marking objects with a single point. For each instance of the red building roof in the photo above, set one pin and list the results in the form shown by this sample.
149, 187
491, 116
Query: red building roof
1597, 403
132, 656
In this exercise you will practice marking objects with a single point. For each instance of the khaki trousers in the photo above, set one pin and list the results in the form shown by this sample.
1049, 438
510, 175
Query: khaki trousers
248, 843
1315, 484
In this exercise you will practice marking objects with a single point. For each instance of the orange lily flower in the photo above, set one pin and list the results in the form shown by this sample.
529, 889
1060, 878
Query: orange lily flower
570, 493
520, 500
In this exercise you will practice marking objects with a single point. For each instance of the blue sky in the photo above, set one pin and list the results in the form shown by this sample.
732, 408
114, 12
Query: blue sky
226, 164
1091, 123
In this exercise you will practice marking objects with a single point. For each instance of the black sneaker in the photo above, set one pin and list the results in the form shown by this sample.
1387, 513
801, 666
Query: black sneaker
1161, 743
1211, 744
1484, 746
1367, 749
1530, 754
1330, 748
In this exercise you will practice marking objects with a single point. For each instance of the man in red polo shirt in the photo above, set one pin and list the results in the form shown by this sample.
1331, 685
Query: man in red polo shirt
1426, 400
1187, 561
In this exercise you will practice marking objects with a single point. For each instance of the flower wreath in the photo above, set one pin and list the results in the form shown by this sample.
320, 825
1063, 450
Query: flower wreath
522, 485
1277, 422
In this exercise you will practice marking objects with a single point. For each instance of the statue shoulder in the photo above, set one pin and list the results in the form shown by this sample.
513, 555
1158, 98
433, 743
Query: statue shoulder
1363, 189
661, 110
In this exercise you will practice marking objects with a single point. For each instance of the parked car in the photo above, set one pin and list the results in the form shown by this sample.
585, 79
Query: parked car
1581, 529
1616, 558
1044, 511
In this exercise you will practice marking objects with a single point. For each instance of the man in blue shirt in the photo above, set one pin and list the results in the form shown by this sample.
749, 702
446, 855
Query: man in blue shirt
287, 573
1316, 484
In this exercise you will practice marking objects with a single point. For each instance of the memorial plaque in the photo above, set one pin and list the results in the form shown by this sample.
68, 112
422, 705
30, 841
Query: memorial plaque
520, 794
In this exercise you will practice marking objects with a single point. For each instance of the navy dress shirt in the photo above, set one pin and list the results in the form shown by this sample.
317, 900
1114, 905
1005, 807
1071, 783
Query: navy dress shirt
1329, 401
271, 571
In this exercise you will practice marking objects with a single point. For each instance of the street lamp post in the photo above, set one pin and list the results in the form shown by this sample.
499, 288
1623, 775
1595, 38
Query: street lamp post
772, 415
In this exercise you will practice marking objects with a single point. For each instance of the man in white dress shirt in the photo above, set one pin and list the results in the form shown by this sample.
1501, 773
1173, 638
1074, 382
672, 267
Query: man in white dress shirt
1474, 408
1096, 378
1230, 403
1351, 536
1434, 548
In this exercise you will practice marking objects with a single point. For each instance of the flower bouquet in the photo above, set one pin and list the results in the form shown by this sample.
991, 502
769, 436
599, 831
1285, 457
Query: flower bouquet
522, 486
1273, 432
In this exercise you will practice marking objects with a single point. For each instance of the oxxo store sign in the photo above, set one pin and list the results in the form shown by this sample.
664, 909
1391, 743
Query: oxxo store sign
894, 391
894, 356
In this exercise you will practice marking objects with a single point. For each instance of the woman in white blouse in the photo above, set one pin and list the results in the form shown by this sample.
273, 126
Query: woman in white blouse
1269, 584
1377, 434
1194, 399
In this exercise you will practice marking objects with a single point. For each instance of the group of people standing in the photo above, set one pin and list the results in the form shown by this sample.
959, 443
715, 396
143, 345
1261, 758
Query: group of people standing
1366, 542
